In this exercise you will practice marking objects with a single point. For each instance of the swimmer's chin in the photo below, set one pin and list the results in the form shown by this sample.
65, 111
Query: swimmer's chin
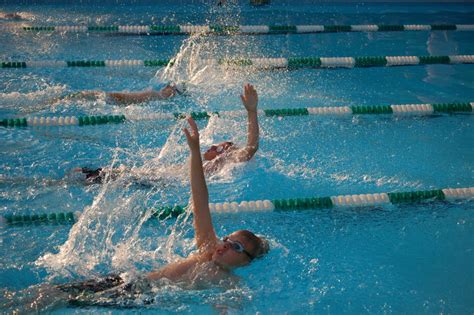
215, 259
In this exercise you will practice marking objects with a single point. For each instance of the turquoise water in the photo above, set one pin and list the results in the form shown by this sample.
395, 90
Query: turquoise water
395, 259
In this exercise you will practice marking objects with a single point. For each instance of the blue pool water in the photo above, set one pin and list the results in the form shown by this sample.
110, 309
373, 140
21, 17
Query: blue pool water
395, 259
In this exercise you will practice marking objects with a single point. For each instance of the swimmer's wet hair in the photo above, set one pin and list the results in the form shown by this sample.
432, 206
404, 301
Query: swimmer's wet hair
262, 245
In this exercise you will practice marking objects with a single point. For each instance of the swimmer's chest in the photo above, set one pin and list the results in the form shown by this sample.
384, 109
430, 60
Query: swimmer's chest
195, 269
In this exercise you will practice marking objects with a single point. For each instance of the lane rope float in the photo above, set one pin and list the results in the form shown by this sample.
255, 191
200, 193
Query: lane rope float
398, 110
258, 63
232, 29
292, 204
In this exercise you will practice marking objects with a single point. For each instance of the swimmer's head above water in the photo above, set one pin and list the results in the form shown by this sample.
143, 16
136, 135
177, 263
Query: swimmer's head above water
239, 249
217, 149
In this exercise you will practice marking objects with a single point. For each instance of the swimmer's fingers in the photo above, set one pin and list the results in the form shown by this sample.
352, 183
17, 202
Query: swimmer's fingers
250, 91
193, 135
187, 134
249, 98
193, 126
193, 142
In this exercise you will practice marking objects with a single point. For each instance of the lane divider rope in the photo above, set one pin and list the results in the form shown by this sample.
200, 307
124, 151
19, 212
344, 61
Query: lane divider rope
259, 63
293, 204
406, 109
234, 29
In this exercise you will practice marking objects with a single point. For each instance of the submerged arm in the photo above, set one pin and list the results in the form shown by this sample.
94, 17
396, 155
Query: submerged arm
204, 230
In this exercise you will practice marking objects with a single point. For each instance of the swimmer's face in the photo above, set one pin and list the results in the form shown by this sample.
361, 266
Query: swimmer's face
216, 150
235, 250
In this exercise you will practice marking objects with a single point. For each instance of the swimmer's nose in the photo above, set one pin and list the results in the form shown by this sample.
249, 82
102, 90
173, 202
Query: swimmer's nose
226, 246
222, 248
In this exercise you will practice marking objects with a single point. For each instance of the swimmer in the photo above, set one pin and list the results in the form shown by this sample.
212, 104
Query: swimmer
226, 152
128, 98
216, 258
216, 157
211, 265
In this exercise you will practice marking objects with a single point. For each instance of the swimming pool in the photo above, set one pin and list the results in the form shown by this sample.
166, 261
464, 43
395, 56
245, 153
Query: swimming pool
407, 258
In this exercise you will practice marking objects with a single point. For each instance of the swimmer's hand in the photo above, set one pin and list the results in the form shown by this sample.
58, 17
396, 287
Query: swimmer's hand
193, 136
250, 98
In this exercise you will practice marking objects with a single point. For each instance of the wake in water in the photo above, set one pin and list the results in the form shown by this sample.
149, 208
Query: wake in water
135, 292
32, 102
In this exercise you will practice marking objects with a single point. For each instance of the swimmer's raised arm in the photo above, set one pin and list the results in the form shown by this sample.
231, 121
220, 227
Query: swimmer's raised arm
250, 101
203, 228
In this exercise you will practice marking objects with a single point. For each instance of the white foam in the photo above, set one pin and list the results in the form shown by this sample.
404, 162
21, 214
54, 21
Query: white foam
30, 102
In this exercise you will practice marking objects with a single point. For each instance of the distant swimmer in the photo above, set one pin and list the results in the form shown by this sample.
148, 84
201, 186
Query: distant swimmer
212, 264
216, 157
165, 91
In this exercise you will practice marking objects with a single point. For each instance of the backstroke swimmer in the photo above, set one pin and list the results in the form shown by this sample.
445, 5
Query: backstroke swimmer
211, 265
216, 157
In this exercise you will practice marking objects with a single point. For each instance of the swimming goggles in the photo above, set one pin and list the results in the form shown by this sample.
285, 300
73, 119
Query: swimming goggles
237, 246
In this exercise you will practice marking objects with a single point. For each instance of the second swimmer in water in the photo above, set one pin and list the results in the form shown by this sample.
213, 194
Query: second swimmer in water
215, 158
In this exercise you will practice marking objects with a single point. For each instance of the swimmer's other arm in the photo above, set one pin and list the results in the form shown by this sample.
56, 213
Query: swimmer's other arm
250, 101
205, 235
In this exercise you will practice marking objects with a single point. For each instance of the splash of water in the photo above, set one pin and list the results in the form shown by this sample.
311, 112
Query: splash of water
205, 77
32, 101
108, 234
